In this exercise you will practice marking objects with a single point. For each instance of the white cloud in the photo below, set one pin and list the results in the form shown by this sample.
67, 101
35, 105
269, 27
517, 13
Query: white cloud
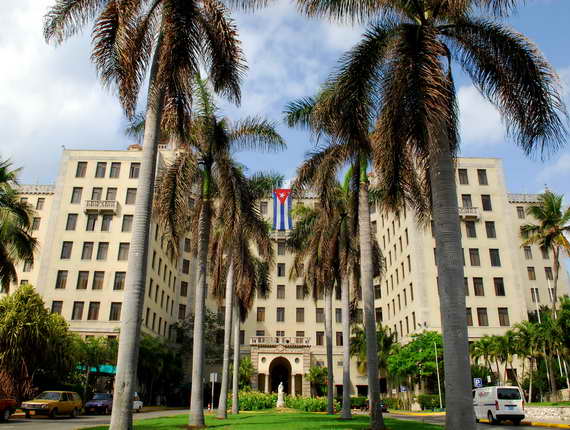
480, 122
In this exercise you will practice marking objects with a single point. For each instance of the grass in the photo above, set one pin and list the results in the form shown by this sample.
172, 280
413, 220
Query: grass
564, 403
273, 419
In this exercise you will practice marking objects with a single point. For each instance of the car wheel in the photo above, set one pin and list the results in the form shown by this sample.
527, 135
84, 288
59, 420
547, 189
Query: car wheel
53, 413
490, 418
476, 420
28, 415
6, 415
73, 413
516, 422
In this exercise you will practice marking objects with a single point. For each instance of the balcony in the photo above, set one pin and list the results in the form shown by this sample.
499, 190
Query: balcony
469, 213
101, 206
280, 340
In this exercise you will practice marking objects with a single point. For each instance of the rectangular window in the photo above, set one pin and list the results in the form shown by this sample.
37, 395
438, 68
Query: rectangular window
338, 315
134, 170
379, 316
520, 212
97, 193
490, 228
187, 245
299, 333
242, 337
102, 250
131, 196
111, 194
300, 315
339, 338
77, 312
544, 252
466, 284
98, 278
300, 292
100, 169
320, 315
185, 266
93, 313
482, 317
260, 332
28, 266
181, 312
504, 317
478, 287
474, 257
81, 169
280, 269
56, 307
463, 177
527, 252
87, 252
127, 223
123, 251
495, 257
320, 338
66, 248
71, 222
76, 195
40, 203
377, 292
115, 170
61, 279
466, 200
263, 208
281, 247
470, 227
535, 295
119, 283
184, 289
280, 291
486, 202
36, 223
260, 314
106, 222
469, 317
91, 221
548, 273
482, 176
280, 314
531, 273
499, 286
115, 313
82, 280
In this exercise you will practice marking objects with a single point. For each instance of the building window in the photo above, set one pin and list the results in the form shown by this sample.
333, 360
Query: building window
106, 222
260, 314
242, 337
478, 287
98, 278
281, 247
134, 170
535, 295
469, 317
490, 228
499, 286
71, 222
320, 338
100, 169
495, 257
76, 195
28, 266
183, 289
81, 169
91, 221
474, 257
127, 223
299, 333
115, 313
504, 317
181, 312
280, 291
300, 315
470, 227
82, 280
260, 332
280, 269
102, 250
482, 176
87, 252
187, 245
119, 283
520, 212
320, 315
111, 194
377, 292
61, 279
338, 315
373, 227
544, 252
379, 316
527, 252
93, 313
531, 274
463, 177
263, 208
40, 203
280, 314
131, 196
482, 317
77, 312
466, 200
123, 251
339, 338
66, 248
300, 292
97, 193
548, 273
115, 170
56, 307
466, 284
36, 223
486, 202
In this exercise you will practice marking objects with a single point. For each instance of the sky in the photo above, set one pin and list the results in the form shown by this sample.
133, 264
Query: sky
50, 96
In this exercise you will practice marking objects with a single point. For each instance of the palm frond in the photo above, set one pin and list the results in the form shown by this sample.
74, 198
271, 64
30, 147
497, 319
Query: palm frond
257, 134
67, 17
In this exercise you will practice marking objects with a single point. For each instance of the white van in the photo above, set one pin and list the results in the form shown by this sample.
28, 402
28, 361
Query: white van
498, 403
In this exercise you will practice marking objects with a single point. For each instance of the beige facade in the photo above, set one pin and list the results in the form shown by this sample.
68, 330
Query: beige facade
84, 232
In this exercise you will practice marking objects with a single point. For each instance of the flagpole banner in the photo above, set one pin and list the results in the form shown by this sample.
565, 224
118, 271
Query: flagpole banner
282, 205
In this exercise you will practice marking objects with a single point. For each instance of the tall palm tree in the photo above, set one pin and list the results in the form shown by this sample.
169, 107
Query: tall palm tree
483, 349
173, 38
16, 242
385, 339
529, 346
553, 222
401, 72
205, 174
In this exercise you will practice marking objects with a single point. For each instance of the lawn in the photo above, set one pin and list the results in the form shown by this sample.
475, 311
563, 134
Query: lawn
561, 403
276, 420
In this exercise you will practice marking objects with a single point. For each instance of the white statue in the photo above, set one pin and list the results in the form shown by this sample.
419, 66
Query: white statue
280, 399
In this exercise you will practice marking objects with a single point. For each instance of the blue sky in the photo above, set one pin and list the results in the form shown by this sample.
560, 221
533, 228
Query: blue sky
50, 96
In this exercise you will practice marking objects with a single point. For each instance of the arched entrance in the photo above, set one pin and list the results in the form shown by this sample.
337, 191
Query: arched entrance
280, 371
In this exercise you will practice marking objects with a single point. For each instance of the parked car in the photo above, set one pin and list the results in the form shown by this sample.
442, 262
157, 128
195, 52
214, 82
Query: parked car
498, 403
100, 403
53, 404
7, 408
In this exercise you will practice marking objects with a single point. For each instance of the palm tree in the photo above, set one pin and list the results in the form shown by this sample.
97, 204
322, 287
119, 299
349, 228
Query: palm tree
202, 174
385, 339
553, 222
401, 73
529, 346
16, 242
483, 349
173, 37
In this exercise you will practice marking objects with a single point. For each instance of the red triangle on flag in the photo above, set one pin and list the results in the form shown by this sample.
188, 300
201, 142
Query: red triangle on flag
282, 194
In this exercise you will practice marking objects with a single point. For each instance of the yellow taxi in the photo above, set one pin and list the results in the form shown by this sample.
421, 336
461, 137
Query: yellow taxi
53, 404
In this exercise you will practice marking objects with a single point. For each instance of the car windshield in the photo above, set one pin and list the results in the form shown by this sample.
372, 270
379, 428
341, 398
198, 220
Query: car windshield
49, 395
508, 394
102, 396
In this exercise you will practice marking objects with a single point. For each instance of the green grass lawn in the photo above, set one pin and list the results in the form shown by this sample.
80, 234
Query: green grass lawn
564, 403
275, 420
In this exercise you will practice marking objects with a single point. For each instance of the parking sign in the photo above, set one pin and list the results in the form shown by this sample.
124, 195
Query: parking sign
477, 382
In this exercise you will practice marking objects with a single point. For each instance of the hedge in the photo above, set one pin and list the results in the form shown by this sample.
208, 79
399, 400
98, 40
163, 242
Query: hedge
428, 401
309, 404
254, 401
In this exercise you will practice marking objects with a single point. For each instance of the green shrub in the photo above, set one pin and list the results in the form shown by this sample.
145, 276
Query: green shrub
254, 401
392, 402
309, 404
428, 401
358, 402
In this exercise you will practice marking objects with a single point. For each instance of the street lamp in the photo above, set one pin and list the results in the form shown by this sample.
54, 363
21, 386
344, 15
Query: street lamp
437, 370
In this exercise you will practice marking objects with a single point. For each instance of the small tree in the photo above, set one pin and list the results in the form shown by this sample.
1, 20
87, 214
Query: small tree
317, 376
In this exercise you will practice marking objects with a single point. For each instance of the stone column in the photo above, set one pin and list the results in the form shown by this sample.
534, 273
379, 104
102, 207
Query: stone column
267, 382
293, 376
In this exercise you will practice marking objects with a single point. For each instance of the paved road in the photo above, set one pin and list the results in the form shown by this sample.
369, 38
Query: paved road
441, 420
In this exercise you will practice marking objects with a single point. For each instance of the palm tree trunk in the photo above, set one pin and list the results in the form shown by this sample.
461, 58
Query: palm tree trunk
530, 382
329, 334
222, 404
498, 370
553, 385
376, 419
556, 262
459, 403
196, 418
235, 376
127, 356
346, 414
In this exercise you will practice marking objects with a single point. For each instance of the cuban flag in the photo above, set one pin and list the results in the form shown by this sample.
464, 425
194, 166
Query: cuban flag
282, 205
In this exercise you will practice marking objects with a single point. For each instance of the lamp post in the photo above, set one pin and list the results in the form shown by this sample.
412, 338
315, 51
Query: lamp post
437, 370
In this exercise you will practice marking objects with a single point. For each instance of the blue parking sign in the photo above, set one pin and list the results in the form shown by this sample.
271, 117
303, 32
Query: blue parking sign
477, 382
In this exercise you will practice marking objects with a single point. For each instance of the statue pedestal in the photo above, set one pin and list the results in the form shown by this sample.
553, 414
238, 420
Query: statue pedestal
280, 400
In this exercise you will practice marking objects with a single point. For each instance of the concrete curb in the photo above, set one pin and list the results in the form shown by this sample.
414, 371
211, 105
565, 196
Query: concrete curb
419, 414
539, 424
